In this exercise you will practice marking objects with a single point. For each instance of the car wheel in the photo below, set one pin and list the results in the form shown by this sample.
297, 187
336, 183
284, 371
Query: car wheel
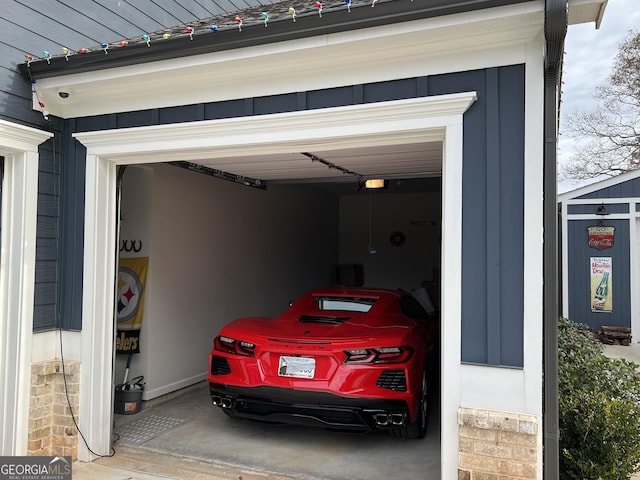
417, 429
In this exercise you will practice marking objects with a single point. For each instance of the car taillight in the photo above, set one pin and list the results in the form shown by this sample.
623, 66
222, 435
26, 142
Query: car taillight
378, 355
231, 345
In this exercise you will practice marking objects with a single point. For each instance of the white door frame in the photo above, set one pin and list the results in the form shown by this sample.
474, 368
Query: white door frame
19, 147
436, 118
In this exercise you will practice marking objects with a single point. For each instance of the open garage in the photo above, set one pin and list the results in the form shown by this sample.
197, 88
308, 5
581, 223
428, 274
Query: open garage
219, 249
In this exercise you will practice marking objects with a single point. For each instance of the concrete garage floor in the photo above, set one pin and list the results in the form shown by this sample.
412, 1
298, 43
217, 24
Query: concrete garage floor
187, 430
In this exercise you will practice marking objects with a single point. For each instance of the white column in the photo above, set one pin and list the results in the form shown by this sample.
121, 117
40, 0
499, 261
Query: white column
451, 312
19, 146
98, 307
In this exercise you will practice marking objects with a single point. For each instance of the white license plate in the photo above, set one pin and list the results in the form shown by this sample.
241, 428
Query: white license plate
299, 367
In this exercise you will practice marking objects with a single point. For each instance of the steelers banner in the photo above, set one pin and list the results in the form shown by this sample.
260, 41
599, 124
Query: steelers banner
132, 275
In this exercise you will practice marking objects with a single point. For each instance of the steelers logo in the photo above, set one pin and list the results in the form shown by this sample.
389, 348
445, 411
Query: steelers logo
129, 294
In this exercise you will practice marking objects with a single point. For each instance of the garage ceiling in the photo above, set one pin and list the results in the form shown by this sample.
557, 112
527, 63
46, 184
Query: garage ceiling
339, 170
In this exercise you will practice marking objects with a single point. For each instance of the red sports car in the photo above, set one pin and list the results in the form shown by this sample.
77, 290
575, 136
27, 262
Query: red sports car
341, 358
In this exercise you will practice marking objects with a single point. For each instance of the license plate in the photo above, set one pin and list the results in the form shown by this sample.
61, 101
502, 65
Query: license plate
299, 367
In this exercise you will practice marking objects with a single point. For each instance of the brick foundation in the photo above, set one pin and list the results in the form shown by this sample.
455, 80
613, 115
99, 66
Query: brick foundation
51, 427
497, 445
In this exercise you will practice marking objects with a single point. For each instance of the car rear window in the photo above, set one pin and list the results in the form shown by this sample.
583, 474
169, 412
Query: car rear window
349, 304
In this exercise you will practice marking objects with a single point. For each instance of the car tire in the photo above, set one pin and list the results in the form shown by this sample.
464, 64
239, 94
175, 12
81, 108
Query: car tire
418, 429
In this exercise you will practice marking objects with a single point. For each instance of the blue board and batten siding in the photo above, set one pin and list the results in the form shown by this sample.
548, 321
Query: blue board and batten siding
16, 106
493, 192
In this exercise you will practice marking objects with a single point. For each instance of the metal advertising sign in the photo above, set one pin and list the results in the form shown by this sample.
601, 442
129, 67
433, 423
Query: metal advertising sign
601, 237
601, 284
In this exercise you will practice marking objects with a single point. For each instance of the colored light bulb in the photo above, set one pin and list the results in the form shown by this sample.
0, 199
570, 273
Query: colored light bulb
166, 36
213, 28
147, 39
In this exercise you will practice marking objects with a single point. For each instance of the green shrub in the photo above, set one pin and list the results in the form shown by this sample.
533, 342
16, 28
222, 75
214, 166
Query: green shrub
599, 409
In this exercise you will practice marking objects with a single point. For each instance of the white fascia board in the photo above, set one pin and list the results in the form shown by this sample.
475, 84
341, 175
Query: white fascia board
460, 42
585, 11
594, 187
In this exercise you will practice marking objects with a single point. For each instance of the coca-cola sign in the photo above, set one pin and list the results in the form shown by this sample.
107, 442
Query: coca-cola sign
601, 237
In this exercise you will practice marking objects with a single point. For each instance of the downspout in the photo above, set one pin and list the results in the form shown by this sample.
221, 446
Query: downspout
555, 30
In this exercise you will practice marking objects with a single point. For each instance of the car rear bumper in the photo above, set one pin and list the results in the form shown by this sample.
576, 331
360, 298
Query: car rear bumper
310, 408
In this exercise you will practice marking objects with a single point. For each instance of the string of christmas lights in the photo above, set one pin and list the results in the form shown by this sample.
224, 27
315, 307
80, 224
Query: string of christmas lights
189, 31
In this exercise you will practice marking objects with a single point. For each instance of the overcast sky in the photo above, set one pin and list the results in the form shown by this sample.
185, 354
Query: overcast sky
588, 62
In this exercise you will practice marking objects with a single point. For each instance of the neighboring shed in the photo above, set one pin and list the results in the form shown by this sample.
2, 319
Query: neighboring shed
600, 244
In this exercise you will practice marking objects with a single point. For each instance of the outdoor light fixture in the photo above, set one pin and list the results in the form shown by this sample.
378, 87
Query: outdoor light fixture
375, 183
602, 210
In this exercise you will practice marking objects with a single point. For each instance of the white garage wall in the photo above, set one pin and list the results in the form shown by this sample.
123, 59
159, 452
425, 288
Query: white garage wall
416, 215
135, 224
217, 251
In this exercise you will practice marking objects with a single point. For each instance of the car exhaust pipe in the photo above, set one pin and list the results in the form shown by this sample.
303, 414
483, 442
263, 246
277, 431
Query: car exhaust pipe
397, 419
221, 401
381, 419
389, 419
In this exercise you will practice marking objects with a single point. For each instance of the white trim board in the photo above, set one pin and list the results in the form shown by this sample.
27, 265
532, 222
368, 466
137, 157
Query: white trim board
19, 146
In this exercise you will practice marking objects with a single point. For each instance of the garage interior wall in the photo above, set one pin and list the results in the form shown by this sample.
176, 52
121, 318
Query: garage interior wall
219, 251
415, 215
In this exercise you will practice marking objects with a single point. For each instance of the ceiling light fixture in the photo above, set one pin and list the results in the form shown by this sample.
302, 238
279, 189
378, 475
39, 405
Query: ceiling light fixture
375, 183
